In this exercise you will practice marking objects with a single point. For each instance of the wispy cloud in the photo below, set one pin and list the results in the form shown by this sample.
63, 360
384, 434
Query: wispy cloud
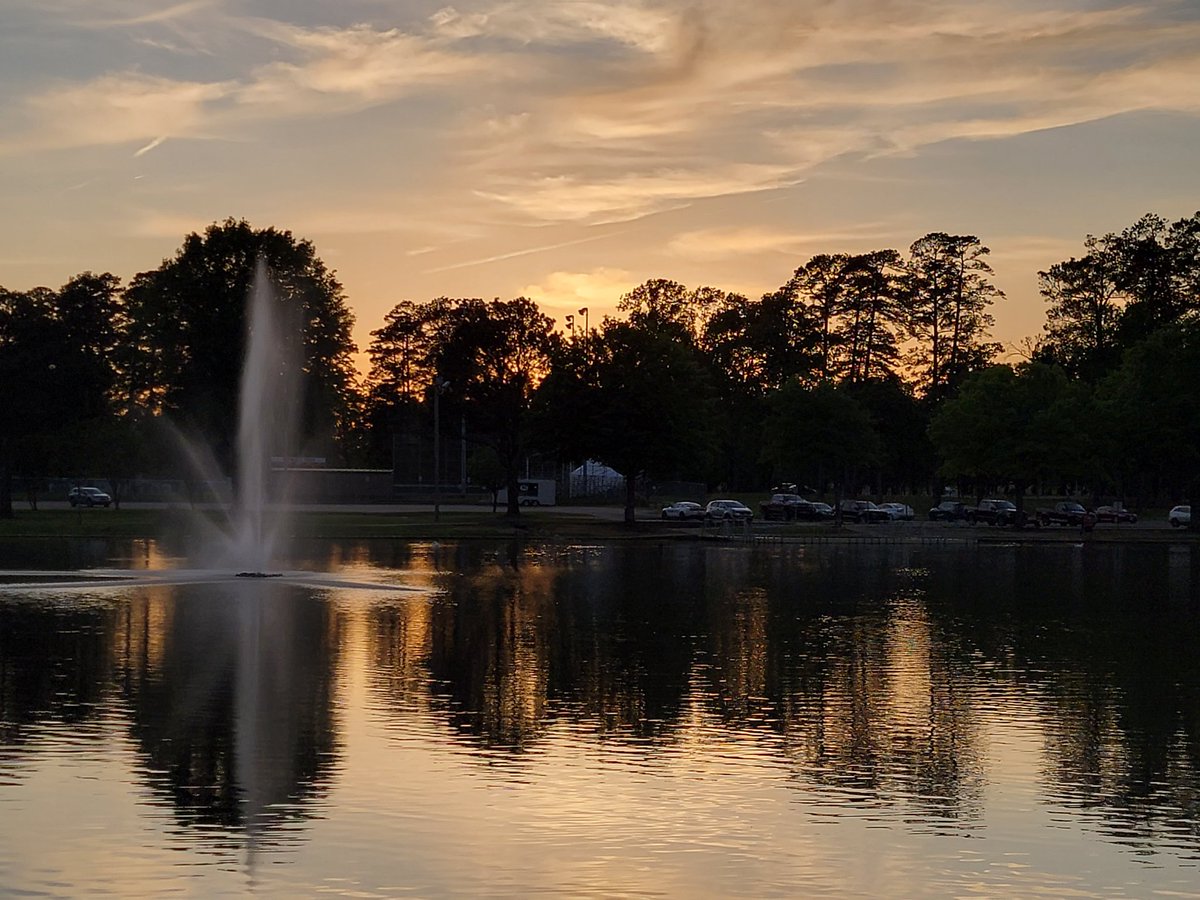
324, 72
127, 15
359, 66
157, 142
639, 26
524, 251
119, 109
578, 198
794, 86
591, 112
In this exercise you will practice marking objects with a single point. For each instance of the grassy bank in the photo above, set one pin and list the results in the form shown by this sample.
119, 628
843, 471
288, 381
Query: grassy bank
84, 523
533, 524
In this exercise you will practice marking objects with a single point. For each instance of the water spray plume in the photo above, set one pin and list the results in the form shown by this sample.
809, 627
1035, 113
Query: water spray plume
251, 534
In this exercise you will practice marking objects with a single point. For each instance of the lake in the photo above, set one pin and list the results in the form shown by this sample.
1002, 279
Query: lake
674, 719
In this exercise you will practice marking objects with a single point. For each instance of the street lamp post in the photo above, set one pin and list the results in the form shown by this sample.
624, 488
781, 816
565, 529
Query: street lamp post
570, 320
439, 385
584, 312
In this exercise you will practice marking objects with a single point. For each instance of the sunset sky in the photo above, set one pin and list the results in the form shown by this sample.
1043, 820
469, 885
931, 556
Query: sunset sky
567, 151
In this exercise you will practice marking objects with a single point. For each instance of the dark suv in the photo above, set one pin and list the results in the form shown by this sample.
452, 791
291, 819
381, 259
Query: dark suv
948, 511
88, 496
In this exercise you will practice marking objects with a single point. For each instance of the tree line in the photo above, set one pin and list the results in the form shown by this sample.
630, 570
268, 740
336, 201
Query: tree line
872, 370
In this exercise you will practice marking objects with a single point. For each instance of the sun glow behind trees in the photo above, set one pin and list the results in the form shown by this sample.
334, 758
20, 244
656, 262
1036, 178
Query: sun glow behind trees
689, 378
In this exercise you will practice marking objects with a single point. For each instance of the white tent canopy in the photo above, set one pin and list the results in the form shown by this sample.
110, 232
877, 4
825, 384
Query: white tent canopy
594, 478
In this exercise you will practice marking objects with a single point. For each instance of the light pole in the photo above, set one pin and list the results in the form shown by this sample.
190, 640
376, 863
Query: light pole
462, 452
584, 312
570, 320
439, 385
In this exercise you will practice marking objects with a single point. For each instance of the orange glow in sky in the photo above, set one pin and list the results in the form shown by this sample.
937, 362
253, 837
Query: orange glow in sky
570, 151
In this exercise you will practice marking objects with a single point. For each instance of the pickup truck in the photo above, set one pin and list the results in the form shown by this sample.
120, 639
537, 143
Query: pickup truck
787, 507
1066, 512
994, 512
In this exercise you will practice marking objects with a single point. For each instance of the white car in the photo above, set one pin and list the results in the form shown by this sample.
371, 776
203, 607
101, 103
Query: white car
728, 509
1180, 515
898, 511
683, 509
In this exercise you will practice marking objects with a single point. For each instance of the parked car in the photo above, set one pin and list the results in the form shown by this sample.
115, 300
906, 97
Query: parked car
786, 507
994, 512
822, 510
685, 510
948, 511
1180, 516
1066, 512
898, 511
864, 511
88, 496
728, 510
1114, 514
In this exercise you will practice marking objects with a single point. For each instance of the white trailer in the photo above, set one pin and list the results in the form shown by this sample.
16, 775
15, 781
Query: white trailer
531, 492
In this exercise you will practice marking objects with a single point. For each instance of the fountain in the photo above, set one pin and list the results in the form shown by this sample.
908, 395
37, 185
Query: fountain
247, 536
267, 408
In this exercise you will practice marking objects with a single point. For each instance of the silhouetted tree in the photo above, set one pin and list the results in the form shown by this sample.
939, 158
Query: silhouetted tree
487, 471
1084, 310
402, 350
647, 400
749, 348
945, 309
493, 356
1125, 287
869, 315
58, 377
905, 460
761, 344
1014, 426
820, 435
1157, 269
820, 285
660, 303
187, 329
1151, 410
403, 366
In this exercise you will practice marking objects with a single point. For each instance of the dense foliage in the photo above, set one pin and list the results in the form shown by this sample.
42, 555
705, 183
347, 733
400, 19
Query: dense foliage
872, 372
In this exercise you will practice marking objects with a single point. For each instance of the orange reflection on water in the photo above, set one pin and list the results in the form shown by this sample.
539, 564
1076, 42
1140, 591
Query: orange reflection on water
142, 628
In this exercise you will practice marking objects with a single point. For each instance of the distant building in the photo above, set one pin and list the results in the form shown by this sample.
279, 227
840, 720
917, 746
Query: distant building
594, 479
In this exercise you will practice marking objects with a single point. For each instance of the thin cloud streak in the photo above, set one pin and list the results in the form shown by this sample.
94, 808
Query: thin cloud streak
726, 243
157, 142
518, 253
156, 16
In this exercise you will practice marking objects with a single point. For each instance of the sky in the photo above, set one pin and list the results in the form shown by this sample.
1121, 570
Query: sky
568, 150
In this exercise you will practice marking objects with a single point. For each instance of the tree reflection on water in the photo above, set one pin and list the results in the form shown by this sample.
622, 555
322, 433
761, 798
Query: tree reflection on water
877, 676
873, 671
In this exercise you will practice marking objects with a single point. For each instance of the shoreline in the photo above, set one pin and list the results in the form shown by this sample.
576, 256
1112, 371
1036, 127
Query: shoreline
553, 523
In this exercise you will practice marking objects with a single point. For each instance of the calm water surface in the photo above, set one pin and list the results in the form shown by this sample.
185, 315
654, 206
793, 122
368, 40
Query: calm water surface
669, 720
